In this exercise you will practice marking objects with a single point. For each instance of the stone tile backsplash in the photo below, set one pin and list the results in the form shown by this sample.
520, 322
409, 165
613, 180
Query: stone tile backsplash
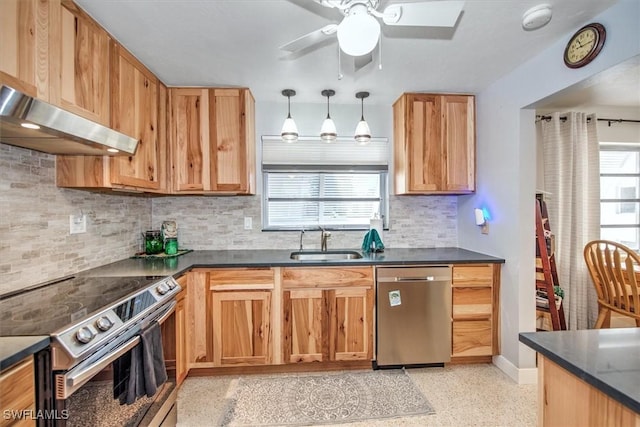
34, 223
35, 244
218, 223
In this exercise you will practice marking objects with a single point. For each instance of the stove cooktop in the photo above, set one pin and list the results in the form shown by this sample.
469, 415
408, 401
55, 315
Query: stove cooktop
47, 309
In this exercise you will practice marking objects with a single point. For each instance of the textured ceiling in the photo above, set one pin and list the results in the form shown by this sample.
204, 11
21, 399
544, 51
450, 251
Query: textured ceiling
235, 43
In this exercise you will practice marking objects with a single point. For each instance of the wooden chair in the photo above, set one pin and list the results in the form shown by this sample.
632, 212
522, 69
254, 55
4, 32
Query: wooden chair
615, 271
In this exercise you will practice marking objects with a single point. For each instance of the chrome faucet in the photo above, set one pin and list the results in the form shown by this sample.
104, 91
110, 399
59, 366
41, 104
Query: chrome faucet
324, 235
301, 234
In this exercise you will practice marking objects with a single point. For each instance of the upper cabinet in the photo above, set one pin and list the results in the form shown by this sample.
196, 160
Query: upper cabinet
24, 39
434, 144
134, 111
212, 141
137, 99
79, 62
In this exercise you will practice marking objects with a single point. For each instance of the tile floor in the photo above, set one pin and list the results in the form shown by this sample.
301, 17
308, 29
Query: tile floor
462, 395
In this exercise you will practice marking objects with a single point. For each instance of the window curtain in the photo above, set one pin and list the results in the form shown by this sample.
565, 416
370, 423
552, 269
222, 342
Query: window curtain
571, 155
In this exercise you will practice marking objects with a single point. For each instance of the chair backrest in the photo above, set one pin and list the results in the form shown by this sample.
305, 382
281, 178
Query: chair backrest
615, 271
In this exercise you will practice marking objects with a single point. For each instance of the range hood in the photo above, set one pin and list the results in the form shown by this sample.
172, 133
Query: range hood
30, 123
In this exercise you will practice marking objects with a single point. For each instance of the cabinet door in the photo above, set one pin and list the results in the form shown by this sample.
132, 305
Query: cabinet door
425, 153
79, 55
305, 318
182, 357
351, 324
24, 59
134, 102
18, 392
190, 154
199, 320
233, 140
458, 139
241, 328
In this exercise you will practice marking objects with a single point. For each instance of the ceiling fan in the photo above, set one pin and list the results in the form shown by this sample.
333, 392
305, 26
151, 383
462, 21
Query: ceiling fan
359, 31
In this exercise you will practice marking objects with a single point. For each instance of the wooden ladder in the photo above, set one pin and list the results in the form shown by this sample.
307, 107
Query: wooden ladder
546, 272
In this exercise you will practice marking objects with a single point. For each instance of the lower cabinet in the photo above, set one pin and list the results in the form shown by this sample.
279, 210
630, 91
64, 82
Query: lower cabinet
327, 314
475, 326
17, 385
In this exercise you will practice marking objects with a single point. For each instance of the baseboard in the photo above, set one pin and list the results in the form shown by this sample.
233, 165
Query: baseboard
519, 375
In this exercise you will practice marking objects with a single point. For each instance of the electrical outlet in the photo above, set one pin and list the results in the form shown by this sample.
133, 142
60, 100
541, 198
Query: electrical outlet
77, 224
248, 223
484, 229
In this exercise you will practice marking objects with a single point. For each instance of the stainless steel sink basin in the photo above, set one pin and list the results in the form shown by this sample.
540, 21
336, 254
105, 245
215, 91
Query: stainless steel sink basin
325, 256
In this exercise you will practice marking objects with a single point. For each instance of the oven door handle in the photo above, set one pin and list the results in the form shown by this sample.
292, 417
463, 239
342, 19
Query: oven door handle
168, 313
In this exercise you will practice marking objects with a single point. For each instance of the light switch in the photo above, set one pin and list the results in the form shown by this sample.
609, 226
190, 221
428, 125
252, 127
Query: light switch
248, 223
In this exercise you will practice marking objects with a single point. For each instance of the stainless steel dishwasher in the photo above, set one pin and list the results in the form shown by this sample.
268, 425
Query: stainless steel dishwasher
413, 320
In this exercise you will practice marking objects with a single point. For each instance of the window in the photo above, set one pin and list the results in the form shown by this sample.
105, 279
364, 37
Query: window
311, 184
620, 193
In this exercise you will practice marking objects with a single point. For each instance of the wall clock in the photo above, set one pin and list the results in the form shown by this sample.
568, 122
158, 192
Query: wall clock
584, 45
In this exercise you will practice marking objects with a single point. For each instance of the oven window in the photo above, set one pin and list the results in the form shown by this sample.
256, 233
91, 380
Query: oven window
131, 308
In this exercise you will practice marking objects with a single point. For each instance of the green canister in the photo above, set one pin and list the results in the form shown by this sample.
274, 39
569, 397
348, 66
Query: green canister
171, 246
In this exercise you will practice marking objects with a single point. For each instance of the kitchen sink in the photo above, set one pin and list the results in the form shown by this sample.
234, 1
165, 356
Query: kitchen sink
325, 256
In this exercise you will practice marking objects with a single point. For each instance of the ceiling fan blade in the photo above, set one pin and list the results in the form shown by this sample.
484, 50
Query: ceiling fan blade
425, 14
360, 62
310, 39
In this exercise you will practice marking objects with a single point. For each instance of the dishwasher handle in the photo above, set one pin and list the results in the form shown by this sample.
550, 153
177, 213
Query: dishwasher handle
414, 279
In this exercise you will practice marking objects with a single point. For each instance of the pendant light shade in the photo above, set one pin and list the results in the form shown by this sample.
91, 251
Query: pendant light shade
289, 131
363, 133
328, 131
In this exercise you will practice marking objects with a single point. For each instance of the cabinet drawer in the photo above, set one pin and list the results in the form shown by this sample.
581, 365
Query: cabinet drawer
326, 277
473, 275
472, 303
472, 338
241, 279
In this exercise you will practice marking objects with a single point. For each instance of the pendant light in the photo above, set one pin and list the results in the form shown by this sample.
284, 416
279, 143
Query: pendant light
328, 131
363, 133
289, 129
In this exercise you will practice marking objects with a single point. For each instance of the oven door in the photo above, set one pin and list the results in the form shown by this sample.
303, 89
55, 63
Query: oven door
86, 392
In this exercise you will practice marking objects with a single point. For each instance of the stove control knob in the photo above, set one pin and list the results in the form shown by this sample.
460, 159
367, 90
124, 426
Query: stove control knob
84, 335
162, 288
171, 284
104, 323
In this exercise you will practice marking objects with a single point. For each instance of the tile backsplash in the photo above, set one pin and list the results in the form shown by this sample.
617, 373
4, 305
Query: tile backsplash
36, 245
218, 223
34, 223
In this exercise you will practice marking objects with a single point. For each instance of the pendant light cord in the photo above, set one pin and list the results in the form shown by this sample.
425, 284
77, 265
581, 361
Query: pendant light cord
288, 106
328, 116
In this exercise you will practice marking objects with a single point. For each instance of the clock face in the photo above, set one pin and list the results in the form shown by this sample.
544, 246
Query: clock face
584, 46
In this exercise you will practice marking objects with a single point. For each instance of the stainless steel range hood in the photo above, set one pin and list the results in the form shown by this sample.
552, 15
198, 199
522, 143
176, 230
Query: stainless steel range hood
30, 123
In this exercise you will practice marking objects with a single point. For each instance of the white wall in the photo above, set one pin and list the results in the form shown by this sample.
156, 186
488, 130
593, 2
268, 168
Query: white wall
507, 172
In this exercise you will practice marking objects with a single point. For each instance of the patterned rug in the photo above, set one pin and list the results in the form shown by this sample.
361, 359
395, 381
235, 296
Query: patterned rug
323, 399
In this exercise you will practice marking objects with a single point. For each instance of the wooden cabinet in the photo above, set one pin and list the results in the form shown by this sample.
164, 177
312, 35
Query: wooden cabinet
18, 392
434, 144
212, 146
182, 356
327, 314
24, 61
137, 98
241, 316
476, 293
79, 62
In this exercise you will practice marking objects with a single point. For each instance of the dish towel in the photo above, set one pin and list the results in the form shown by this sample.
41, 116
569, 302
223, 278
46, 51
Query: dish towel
372, 242
147, 371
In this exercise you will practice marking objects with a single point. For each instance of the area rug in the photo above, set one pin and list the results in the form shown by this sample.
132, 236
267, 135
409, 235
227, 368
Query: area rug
332, 398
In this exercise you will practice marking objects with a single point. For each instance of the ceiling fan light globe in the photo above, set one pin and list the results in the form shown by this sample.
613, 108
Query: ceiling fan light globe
363, 133
289, 131
359, 32
328, 131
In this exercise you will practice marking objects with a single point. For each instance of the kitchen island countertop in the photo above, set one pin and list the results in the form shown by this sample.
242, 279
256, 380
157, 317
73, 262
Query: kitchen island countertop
607, 359
280, 258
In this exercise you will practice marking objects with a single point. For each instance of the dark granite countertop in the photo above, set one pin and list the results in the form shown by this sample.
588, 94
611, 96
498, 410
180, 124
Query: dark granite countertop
176, 266
280, 258
607, 359
14, 349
